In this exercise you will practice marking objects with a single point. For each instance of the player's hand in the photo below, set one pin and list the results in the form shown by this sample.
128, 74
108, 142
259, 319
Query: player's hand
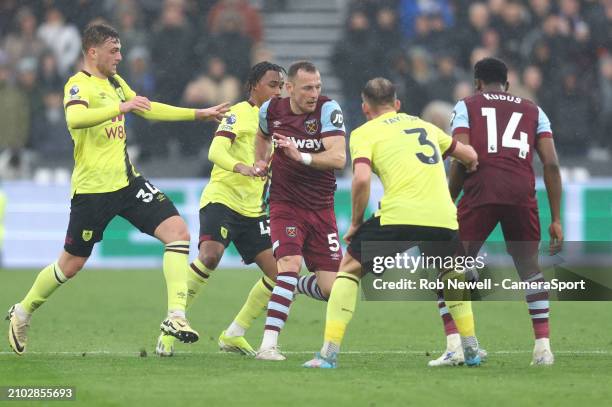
348, 236
245, 170
556, 238
216, 113
260, 169
288, 146
138, 103
471, 166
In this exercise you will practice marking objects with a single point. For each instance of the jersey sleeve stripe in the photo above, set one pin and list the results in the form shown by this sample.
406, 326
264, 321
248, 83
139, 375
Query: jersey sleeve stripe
362, 160
450, 149
227, 134
545, 134
461, 130
332, 133
77, 102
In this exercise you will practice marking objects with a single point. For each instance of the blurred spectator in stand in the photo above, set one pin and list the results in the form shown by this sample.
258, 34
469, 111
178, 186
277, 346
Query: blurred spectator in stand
470, 36
63, 39
410, 93
229, 43
491, 41
249, 18
211, 88
496, 8
48, 75
173, 64
600, 21
356, 59
15, 119
516, 85
387, 34
172, 53
539, 10
51, 139
128, 17
462, 90
512, 29
27, 82
142, 80
573, 116
410, 10
532, 82
82, 12
439, 113
23, 43
441, 86
605, 105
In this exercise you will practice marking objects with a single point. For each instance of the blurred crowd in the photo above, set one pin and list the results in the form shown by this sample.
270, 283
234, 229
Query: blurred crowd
189, 53
559, 54
198, 52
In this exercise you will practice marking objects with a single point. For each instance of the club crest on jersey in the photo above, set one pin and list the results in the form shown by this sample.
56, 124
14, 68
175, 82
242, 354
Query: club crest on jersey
223, 232
311, 126
291, 231
74, 90
231, 119
87, 235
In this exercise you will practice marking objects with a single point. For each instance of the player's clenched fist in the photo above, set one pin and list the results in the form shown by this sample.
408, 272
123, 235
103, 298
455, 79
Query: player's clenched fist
260, 169
138, 103
216, 113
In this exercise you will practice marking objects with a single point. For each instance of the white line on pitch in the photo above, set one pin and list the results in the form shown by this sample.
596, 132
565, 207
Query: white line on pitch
304, 352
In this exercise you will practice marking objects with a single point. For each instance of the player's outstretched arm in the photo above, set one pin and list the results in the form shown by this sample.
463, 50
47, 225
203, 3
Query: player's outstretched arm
467, 155
552, 179
80, 116
164, 112
360, 195
333, 158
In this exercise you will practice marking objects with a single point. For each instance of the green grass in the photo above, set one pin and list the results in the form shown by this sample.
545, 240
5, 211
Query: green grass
387, 349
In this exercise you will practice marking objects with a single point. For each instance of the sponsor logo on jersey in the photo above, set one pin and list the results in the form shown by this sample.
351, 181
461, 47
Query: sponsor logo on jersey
311, 126
223, 232
291, 231
337, 119
276, 123
307, 143
87, 235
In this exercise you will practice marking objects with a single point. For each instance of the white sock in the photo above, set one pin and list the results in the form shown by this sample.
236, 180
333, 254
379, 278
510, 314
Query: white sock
329, 349
270, 339
542, 343
453, 341
21, 313
176, 313
235, 330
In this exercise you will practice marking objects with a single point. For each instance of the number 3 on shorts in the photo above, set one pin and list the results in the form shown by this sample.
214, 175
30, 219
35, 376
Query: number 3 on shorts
334, 244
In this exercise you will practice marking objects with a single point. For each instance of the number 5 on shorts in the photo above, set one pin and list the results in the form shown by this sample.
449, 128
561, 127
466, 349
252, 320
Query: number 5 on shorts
334, 244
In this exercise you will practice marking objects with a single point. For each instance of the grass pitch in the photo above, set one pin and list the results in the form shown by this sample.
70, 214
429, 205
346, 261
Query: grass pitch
91, 335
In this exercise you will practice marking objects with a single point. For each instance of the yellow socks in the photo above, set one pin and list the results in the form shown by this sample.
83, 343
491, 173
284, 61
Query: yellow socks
197, 277
175, 264
256, 303
340, 308
45, 284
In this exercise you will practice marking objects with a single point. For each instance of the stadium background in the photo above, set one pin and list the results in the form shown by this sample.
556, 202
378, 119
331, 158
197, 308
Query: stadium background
198, 52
